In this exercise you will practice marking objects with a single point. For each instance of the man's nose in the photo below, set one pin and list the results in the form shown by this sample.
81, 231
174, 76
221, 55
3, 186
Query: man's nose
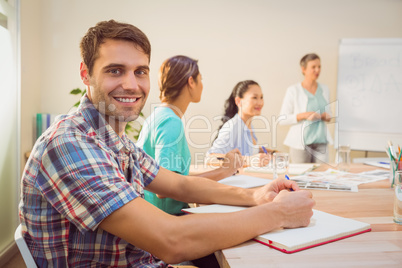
130, 81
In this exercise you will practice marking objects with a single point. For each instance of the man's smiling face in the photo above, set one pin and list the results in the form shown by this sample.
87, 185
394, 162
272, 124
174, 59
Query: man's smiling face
119, 84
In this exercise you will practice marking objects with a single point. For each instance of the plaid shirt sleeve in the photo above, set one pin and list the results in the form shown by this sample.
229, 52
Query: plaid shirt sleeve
147, 165
82, 181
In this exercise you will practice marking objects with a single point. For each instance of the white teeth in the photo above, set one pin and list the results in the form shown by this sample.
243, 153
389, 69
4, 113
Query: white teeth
126, 99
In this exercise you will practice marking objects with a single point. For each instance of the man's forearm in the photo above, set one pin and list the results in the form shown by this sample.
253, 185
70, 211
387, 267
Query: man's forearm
203, 234
176, 239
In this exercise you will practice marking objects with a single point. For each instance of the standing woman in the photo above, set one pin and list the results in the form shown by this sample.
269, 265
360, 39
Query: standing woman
237, 132
306, 108
162, 136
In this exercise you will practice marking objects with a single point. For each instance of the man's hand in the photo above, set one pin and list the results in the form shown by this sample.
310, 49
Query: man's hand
297, 208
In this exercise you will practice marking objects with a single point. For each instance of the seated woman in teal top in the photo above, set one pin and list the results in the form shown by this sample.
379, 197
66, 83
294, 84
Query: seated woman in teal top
162, 135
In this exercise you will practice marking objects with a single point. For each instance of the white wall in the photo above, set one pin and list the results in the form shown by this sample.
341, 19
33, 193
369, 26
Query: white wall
233, 40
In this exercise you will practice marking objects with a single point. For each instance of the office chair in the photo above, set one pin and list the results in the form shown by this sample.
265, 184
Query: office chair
23, 247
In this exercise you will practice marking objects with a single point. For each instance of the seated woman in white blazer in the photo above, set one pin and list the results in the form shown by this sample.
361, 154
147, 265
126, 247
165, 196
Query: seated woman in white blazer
306, 108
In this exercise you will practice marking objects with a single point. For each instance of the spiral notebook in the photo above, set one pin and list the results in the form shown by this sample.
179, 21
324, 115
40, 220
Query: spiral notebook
324, 228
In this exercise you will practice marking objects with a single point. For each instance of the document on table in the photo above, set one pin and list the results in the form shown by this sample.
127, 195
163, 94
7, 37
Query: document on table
381, 164
244, 181
336, 180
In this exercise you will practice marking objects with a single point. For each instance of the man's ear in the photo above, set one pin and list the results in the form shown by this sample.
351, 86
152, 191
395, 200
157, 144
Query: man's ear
84, 73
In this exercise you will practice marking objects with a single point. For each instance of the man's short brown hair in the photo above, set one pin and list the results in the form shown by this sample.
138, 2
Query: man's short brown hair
111, 29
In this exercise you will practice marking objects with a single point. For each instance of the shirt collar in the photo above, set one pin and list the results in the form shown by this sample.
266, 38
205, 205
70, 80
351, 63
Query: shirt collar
101, 127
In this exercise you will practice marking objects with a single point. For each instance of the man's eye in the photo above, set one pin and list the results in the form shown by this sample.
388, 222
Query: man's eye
115, 71
141, 72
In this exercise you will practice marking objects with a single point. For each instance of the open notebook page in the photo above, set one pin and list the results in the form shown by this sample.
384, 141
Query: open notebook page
323, 228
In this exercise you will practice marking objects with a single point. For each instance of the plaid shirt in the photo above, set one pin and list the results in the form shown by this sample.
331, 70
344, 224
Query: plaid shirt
79, 172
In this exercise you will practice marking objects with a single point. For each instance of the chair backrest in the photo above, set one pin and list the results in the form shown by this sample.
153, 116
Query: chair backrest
23, 247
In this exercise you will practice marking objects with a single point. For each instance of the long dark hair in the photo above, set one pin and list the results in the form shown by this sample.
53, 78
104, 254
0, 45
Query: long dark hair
174, 74
230, 107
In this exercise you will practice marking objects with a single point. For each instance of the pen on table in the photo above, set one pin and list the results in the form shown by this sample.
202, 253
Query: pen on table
287, 177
